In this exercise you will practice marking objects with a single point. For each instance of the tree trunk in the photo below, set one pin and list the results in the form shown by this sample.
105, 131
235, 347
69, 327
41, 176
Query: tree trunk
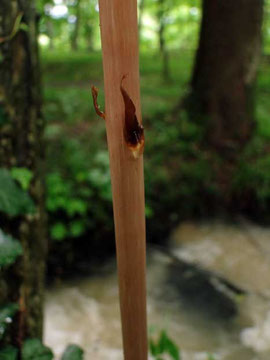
21, 145
50, 32
75, 35
89, 34
162, 43
222, 87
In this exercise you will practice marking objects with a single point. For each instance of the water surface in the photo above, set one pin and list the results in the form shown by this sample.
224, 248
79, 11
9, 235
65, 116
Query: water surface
85, 311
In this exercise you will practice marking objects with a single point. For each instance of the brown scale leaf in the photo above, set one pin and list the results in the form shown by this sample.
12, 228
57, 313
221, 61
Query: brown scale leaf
133, 130
97, 108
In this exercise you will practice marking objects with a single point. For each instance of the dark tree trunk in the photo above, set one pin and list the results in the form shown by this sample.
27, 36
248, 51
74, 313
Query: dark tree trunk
21, 145
75, 35
162, 42
222, 87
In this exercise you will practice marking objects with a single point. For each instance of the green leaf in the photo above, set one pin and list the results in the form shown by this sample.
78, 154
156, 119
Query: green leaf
77, 228
154, 348
13, 199
167, 345
173, 350
7, 312
10, 249
148, 211
23, 176
33, 349
76, 206
59, 231
164, 345
73, 352
24, 27
9, 353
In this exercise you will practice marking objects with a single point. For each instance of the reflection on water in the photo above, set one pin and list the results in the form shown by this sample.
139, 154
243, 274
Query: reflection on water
86, 311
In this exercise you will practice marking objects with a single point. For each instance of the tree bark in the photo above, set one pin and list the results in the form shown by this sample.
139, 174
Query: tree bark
21, 145
162, 42
222, 86
75, 35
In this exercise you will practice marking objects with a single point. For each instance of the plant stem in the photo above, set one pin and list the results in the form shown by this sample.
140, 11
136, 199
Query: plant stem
119, 35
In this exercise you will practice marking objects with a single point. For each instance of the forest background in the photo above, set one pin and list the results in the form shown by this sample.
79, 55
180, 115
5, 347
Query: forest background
205, 82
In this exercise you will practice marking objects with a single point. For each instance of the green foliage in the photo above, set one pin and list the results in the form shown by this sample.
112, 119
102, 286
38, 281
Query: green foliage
33, 349
266, 25
73, 352
23, 176
253, 172
262, 99
182, 21
164, 348
181, 17
13, 199
58, 231
7, 312
180, 174
9, 353
68, 197
10, 249
164, 345
210, 357
76, 190
177, 172
80, 66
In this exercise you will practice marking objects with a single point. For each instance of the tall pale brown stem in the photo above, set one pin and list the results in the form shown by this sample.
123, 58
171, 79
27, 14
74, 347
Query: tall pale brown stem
119, 33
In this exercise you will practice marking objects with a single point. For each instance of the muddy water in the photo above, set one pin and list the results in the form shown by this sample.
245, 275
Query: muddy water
86, 312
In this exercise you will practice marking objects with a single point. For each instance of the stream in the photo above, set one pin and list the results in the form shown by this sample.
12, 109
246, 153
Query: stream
85, 311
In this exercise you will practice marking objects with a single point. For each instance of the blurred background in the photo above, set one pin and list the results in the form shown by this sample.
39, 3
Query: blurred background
205, 91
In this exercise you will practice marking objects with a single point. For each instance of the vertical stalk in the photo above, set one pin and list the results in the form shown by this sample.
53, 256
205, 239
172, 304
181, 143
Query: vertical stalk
119, 35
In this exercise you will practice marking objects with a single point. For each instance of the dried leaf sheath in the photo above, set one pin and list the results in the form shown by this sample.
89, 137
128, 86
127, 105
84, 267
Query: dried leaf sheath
97, 108
133, 130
